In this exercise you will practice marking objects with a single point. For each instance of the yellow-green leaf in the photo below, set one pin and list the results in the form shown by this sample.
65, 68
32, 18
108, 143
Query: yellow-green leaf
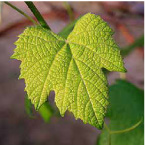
71, 67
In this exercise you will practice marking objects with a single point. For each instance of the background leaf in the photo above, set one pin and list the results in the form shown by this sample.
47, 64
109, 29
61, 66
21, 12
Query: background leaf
126, 109
138, 43
28, 107
66, 30
45, 111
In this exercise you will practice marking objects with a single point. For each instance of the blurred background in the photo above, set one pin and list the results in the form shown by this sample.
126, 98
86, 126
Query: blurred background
16, 127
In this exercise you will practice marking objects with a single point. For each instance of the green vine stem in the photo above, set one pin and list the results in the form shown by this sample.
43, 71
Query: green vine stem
107, 128
37, 14
69, 11
128, 129
109, 131
21, 12
120, 131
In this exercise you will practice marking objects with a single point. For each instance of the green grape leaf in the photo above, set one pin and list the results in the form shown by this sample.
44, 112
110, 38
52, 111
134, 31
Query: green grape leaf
125, 110
71, 67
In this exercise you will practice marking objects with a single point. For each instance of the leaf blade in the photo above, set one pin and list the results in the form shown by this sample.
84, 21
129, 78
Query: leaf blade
125, 110
72, 67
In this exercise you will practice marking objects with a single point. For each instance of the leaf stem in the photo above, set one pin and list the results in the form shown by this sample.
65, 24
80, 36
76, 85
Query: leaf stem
105, 125
109, 131
120, 131
69, 11
128, 129
122, 75
21, 12
37, 14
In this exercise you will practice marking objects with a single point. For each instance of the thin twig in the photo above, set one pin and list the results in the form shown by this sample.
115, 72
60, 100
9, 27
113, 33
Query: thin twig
21, 12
